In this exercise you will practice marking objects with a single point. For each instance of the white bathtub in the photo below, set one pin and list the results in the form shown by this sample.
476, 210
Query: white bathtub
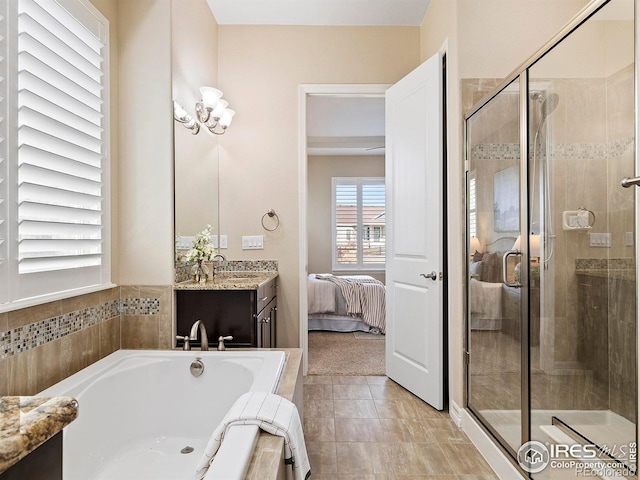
139, 409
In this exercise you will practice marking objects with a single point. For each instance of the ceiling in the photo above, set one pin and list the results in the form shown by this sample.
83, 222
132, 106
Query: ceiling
340, 125
319, 12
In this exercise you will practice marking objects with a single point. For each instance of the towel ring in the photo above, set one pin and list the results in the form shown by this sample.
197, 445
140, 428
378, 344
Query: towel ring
271, 213
590, 223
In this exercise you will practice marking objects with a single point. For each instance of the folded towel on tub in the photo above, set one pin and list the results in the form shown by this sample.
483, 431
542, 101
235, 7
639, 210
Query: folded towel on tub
271, 413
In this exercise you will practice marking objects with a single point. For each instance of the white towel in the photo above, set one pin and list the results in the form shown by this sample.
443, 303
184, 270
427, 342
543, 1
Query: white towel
273, 414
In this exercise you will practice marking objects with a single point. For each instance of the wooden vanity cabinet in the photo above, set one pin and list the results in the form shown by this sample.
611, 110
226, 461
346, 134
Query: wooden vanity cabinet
247, 315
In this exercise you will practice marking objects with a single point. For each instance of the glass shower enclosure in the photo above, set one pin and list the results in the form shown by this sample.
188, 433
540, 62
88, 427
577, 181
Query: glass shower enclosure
551, 236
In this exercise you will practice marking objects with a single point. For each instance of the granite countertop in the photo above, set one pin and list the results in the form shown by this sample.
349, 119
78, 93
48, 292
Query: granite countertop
28, 422
623, 274
229, 281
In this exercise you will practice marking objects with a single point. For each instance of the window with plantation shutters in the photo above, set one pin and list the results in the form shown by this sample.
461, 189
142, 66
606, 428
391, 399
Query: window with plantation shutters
4, 169
59, 229
358, 223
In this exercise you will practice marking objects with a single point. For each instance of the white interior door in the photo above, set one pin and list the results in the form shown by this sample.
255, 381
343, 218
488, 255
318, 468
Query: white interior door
414, 260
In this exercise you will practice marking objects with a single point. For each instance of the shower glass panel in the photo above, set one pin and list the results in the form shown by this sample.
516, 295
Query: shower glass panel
583, 287
551, 319
494, 372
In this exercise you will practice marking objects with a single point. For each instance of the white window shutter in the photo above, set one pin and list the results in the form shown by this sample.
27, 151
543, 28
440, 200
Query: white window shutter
358, 223
60, 140
4, 168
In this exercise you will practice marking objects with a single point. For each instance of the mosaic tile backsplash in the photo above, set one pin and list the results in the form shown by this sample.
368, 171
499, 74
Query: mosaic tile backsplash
35, 334
183, 270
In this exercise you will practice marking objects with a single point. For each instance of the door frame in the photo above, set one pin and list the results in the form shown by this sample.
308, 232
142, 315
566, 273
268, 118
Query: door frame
353, 90
304, 91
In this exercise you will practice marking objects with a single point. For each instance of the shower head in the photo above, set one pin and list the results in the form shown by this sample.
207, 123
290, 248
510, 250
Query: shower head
549, 104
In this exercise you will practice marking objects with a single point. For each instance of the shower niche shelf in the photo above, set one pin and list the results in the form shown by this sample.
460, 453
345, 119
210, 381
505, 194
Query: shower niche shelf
571, 220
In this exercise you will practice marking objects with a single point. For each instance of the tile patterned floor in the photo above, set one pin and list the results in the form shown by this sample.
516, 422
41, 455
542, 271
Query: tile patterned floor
370, 428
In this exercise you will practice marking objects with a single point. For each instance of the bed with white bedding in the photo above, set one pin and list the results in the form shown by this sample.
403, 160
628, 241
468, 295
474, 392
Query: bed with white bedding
348, 303
486, 285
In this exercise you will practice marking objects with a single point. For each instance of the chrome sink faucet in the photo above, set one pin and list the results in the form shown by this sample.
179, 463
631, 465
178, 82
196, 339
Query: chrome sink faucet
204, 341
219, 258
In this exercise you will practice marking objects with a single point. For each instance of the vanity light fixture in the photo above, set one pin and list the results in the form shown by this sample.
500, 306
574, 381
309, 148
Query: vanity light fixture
212, 112
184, 118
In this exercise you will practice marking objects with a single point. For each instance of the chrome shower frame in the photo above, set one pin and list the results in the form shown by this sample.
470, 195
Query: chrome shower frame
520, 74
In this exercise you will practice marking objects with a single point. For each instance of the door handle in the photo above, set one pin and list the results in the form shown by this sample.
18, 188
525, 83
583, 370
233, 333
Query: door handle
433, 275
627, 182
504, 269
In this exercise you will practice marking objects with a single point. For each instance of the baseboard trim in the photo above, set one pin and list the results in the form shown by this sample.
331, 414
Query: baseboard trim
455, 412
494, 456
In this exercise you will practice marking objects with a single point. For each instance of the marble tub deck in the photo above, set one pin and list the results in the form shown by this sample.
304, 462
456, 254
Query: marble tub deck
28, 422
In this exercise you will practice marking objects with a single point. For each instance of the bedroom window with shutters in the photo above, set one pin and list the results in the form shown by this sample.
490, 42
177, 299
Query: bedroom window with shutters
57, 176
358, 223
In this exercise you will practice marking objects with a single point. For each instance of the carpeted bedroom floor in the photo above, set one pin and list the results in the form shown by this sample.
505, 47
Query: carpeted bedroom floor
352, 353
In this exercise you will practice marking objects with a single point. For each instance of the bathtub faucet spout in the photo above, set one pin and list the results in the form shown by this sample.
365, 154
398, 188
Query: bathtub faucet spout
204, 341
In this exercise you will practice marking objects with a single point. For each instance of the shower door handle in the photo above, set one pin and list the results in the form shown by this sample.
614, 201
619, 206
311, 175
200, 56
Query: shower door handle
627, 182
505, 258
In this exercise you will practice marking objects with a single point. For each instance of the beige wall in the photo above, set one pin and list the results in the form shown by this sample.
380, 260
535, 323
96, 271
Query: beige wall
260, 70
146, 143
498, 35
320, 169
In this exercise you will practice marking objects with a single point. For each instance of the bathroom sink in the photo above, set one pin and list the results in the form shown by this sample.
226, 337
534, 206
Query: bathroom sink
239, 279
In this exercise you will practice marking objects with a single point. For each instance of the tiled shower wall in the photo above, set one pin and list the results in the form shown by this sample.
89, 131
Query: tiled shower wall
44, 344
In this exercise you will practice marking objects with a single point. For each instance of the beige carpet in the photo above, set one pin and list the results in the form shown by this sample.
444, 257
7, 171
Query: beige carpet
333, 353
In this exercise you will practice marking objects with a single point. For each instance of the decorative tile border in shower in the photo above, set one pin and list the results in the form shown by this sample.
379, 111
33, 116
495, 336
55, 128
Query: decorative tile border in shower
593, 150
511, 151
496, 151
35, 334
605, 264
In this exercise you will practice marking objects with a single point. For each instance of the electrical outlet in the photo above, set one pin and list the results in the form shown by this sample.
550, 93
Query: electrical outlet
628, 239
223, 241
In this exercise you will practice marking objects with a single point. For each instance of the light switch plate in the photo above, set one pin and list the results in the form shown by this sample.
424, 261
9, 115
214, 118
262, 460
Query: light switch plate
252, 242
600, 240
223, 241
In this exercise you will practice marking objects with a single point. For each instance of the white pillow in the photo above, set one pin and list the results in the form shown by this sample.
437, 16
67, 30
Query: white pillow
476, 269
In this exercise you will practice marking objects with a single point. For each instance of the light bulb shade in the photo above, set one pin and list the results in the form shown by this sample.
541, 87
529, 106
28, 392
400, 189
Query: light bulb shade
227, 116
218, 111
474, 245
178, 112
534, 245
210, 97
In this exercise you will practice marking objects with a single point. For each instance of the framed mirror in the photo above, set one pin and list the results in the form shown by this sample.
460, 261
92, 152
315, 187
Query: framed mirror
194, 64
